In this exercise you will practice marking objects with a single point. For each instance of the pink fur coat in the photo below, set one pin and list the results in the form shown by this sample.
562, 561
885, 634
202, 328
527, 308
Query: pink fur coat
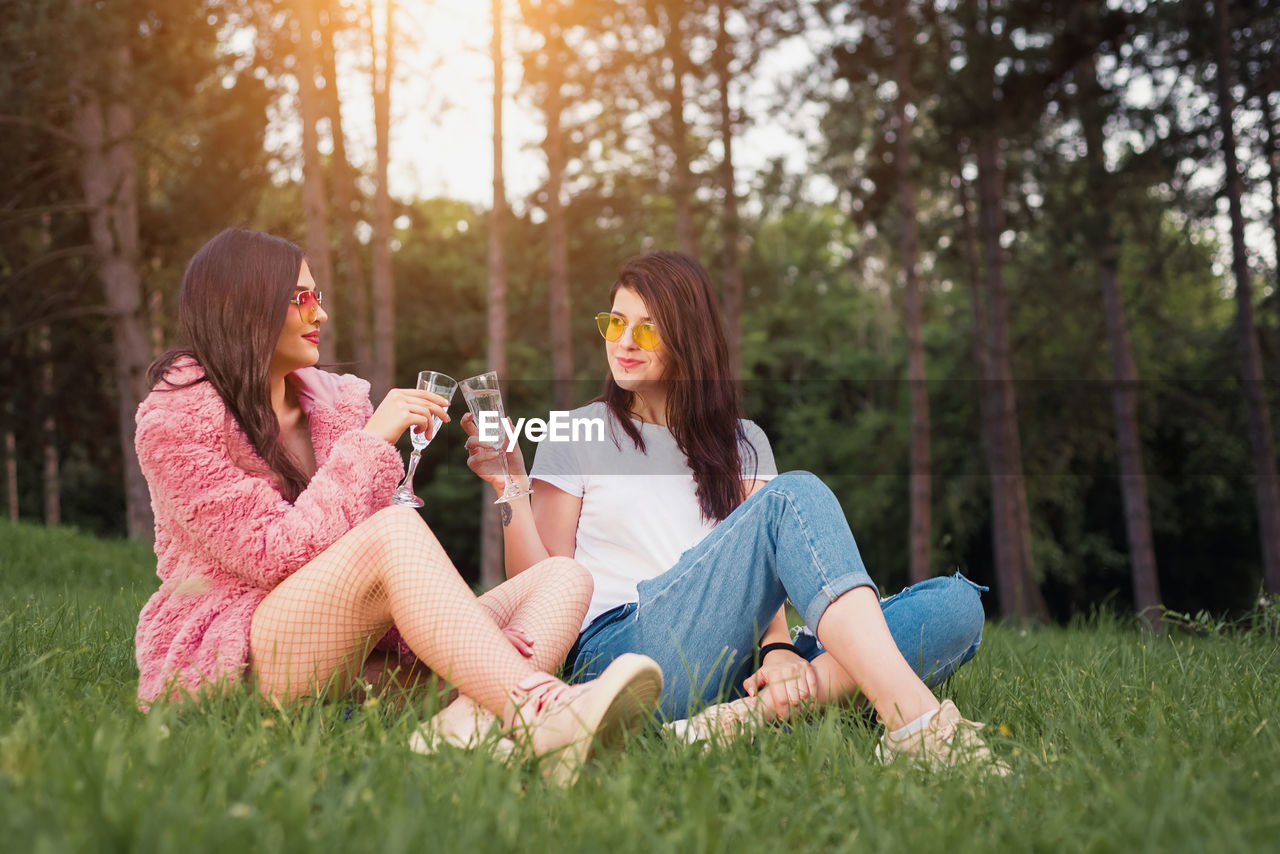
225, 536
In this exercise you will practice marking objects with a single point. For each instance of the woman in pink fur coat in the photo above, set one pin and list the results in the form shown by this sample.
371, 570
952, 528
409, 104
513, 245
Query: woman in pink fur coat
281, 563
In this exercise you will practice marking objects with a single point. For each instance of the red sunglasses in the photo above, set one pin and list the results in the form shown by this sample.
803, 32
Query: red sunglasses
308, 303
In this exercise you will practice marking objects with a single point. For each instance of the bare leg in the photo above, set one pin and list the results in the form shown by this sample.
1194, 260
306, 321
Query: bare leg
866, 659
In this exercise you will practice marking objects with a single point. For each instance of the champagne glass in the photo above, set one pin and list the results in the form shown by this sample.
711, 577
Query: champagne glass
483, 395
438, 383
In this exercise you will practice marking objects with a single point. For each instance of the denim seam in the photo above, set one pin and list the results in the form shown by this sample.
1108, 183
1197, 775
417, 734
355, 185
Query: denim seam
808, 539
831, 588
694, 564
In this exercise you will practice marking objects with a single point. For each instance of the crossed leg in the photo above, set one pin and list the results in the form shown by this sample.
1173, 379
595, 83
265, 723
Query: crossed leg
547, 602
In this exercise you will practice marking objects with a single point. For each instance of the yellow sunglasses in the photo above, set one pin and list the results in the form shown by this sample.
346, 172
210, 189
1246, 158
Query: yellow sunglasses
644, 334
308, 303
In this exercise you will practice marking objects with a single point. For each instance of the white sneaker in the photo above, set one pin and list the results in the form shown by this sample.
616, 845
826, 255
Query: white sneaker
565, 724
947, 739
722, 723
465, 725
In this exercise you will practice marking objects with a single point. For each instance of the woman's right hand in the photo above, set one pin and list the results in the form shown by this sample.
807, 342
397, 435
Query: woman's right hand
403, 408
485, 460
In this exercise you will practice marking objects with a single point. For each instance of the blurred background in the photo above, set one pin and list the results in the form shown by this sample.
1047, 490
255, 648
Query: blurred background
1002, 272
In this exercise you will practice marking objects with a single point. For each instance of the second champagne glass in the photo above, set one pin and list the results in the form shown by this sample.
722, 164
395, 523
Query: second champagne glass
482, 394
445, 386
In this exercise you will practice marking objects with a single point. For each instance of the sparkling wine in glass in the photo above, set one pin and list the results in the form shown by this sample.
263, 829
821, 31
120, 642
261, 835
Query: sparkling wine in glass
440, 384
482, 395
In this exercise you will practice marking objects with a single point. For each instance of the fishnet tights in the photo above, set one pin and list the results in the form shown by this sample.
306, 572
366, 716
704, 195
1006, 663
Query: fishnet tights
313, 632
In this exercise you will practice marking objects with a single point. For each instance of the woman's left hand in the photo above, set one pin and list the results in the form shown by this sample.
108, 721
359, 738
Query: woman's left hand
521, 641
784, 683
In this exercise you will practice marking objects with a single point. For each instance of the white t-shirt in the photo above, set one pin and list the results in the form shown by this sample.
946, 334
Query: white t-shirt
639, 510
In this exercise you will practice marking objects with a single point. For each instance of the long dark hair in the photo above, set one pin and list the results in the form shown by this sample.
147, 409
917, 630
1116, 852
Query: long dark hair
702, 399
234, 298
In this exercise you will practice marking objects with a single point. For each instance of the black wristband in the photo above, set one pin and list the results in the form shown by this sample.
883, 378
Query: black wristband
770, 647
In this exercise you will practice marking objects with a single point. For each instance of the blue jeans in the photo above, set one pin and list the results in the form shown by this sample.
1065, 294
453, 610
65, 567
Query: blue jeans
701, 620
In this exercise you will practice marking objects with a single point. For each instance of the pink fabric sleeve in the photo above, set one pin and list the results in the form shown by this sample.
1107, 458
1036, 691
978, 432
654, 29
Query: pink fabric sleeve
240, 521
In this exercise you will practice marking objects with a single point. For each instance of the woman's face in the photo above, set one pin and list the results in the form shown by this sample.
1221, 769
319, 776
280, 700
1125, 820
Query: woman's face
299, 342
633, 368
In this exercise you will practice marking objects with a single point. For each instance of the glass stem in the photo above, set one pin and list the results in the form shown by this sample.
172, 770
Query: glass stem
414, 456
508, 480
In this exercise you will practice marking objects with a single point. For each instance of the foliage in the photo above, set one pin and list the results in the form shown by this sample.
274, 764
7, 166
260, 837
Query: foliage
199, 147
824, 354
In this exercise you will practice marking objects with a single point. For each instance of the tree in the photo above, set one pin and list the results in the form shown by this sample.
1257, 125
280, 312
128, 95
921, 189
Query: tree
730, 229
491, 552
314, 198
1255, 29
920, 477
1267, 486
11, 469
880, 50
103, 124
761, 26
1271, 120
175, 153
547, 69
671, 20
650, 74
1013, 532
49, 435
382, 377
1133, 477
355, 284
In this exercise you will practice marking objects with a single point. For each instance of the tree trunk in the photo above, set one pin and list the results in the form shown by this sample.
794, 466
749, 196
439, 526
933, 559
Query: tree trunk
108, 176
730, 226
682, 175
49, 431
1271, 127
1260, 437
982, 364
1133, 478
382, 377
981, 358
557, 225
355, 286
11, 470
1019, 597
10, 441
155, 322
920, 476
315, 204
492, 563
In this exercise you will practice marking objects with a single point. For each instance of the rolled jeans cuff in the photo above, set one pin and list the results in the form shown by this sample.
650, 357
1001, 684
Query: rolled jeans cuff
830, 592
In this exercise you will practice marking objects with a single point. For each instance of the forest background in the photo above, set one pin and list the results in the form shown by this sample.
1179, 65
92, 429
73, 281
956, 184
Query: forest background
1022, 328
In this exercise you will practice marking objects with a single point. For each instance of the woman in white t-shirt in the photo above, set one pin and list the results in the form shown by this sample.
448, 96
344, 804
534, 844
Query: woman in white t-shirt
695, 543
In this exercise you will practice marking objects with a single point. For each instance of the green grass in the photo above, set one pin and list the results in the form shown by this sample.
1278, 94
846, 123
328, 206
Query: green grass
1118, 743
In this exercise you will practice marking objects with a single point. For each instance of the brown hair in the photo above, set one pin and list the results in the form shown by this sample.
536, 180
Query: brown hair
702, 399
234, 299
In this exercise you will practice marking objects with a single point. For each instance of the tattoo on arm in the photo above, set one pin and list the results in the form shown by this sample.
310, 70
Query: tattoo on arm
504, 510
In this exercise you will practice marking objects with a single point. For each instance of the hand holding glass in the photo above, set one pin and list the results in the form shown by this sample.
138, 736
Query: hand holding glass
483, 395
437, 383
